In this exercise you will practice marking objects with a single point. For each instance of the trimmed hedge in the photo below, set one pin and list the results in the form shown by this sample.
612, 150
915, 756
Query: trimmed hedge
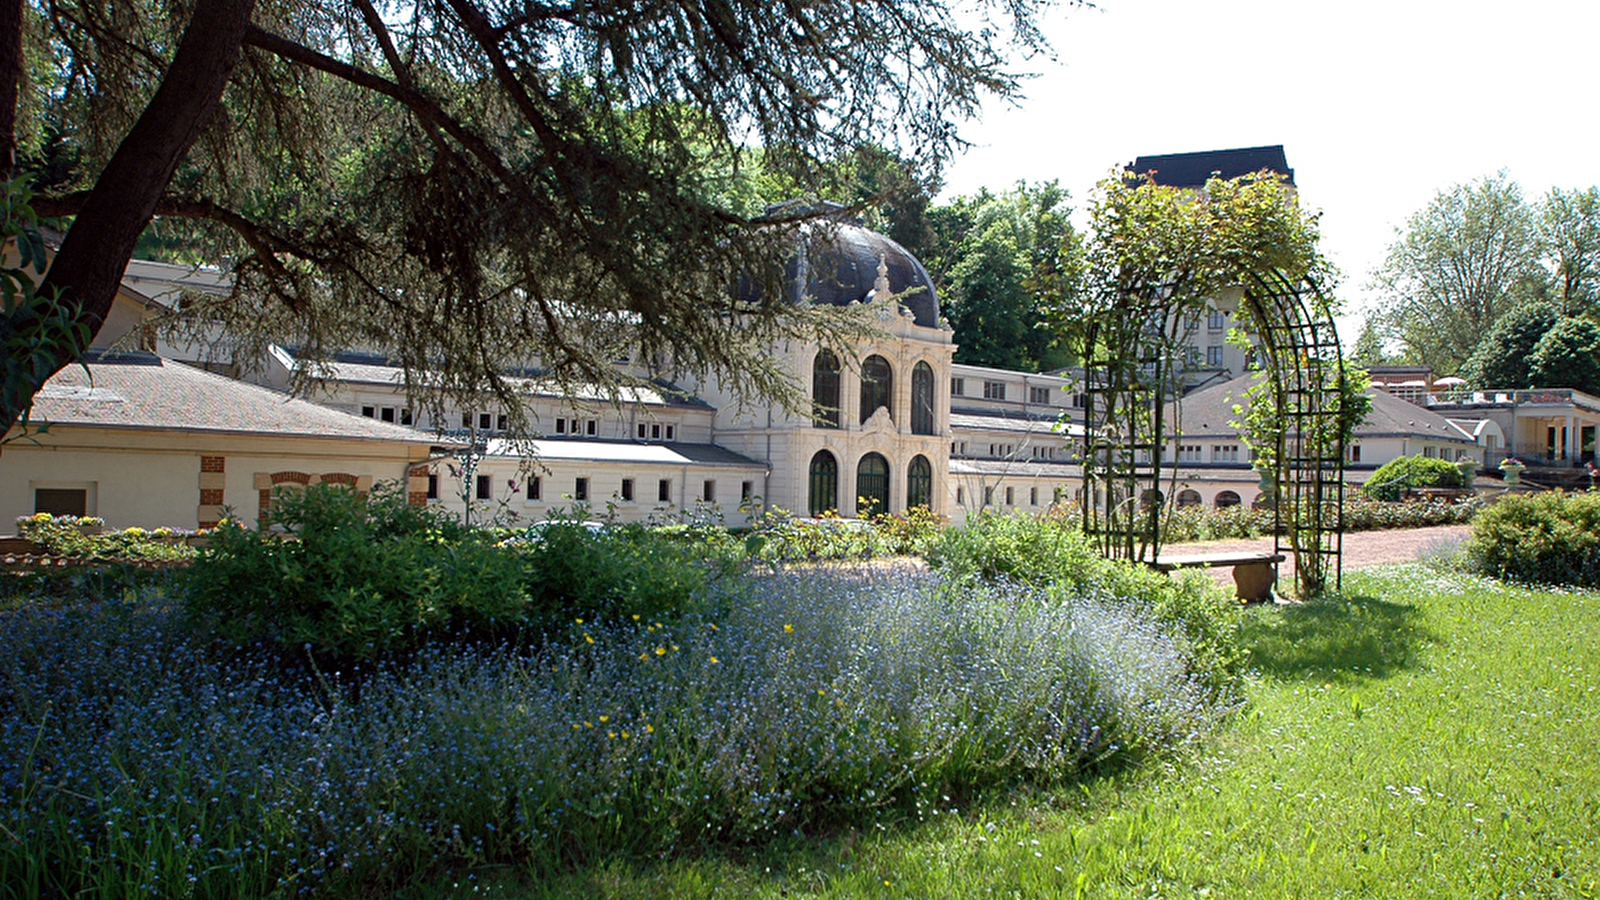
1397, 475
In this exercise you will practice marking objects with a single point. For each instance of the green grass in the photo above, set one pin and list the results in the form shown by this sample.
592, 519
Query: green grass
1429, 735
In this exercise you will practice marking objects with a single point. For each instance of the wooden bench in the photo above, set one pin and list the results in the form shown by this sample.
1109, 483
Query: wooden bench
1253, 571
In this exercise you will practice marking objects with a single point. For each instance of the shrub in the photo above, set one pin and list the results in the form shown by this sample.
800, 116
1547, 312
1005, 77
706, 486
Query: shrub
68, 536
1544, 538
1043, 553
570, 571
1397, 475
138, 760
357, 575
780, 537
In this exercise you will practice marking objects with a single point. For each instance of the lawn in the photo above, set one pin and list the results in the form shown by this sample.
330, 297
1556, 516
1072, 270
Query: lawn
1431, 734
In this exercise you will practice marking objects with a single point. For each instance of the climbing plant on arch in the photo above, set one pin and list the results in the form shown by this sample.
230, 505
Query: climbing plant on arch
1159, 262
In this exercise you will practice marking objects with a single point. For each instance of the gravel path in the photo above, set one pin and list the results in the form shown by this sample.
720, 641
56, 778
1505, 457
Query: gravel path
1361, 548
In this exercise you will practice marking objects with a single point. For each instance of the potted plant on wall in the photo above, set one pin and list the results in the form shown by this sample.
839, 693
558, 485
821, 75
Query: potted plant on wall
1511, 468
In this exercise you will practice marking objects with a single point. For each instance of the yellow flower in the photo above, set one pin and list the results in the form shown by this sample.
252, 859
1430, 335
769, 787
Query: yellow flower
604, 719
576, 727
587, 638
787, 628
644, 656
579, 621
611, 734
649, 729
713, 660
626, 735
674, 648
588, 724
636, 617
661, 651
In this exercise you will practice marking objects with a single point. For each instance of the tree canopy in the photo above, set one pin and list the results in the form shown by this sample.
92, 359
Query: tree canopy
1000, 260
472, 184
1476, 252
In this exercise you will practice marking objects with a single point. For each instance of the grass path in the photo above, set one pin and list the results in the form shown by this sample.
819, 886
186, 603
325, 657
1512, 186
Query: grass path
1431, 735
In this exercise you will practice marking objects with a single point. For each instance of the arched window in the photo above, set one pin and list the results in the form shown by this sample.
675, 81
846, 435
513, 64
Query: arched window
1188, 497
824, 483
877, 383
825, 390
1227, 499
922, 419
919, 482
872, 485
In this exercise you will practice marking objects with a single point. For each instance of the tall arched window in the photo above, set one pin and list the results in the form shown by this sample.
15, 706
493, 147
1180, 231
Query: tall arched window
877, 383
824, 483
872, 485
922, 418
825, 390
919, 482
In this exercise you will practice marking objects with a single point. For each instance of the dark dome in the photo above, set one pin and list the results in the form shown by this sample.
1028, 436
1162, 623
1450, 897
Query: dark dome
844, 271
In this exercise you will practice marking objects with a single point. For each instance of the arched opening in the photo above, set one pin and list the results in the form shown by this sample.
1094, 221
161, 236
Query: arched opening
919, 482
1264, 500
872, 485
922, 400
877, 383
1151, 497
1227, 499
824, 495
1189, 497
825, 389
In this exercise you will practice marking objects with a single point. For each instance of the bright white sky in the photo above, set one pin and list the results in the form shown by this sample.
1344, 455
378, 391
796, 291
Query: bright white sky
1379, 104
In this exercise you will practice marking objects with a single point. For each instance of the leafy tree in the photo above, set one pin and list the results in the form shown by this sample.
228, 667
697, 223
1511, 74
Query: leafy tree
1368, 349
1503, 357
468, 184
1569, 232
1007, 256
1461, 262
1568, 356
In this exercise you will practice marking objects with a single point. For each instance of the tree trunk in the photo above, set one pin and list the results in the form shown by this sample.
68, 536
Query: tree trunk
10, 79
88, 268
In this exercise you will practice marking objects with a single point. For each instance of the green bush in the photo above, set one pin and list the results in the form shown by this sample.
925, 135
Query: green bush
620, 571
1397, 475
1545, 538
1043, 553
71, 536
779, 537
356, 575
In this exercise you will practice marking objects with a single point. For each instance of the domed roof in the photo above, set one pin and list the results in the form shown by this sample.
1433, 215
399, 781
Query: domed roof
844, 270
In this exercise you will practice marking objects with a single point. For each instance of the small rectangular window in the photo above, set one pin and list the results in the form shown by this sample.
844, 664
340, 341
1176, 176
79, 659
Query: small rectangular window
502, 421
1214, 357
61, 501
627, 489
747, 490
1355, 453
988, 496
561, 426
386, 414
485, 487
591, 427
961, 495
958, 387
994, 390
485, 421
655, 432
709, 493
368, 411
466, 420
405, 417
642, 431
672, 432
1216, 321
433, 487
1039, 395
575, 427
1033, 496
664, 490
580, 489
1010, 501
535, 487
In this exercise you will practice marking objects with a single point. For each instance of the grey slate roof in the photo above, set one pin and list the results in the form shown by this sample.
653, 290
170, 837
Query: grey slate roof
1000, 420
353, 368
140, 390
623, 452
1190, 170
1207, 412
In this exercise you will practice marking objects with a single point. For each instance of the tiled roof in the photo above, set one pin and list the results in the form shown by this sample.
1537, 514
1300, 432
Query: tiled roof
1019, 468
1208, 412
370, 369
1190, 170
1002, 420
623, 452
139, 390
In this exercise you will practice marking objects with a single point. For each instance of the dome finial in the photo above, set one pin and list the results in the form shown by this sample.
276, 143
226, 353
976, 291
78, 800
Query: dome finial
880, 288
